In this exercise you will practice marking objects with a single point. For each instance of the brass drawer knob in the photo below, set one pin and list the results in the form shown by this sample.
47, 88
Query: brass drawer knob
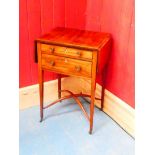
77, 68
52, 63
66, 50
52, 49
78, 53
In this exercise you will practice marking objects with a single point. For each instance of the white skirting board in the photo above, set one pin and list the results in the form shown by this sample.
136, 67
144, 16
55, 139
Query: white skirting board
117, 109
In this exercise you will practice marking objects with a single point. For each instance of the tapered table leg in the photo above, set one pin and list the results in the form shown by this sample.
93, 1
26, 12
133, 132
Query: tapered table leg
103, 88
102, 97
59, 86
93, 86
41, 91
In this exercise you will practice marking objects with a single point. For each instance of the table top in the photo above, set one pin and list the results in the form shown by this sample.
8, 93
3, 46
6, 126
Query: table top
75, 38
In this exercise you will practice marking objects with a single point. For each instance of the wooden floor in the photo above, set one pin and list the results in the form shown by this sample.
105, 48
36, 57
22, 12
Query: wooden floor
64, 131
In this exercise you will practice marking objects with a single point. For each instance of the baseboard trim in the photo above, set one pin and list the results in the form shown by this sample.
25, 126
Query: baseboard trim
117, 109
29, 96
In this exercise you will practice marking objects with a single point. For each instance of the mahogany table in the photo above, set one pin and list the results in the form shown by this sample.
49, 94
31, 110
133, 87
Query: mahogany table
75, 53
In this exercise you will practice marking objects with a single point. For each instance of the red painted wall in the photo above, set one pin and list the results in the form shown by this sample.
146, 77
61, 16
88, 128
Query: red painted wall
36, 18
113, 16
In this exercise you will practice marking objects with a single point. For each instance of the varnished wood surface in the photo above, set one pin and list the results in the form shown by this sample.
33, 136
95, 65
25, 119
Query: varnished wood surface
68, 52
76, 53
66, 65
59, 86
93, 88
41, 82
76, 38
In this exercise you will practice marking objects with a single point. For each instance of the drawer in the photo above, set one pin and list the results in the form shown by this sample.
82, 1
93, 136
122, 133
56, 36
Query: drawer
64, 51
66, 66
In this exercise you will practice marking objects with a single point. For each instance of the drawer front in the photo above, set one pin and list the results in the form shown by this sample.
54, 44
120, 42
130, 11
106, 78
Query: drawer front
64, 51
66, 66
